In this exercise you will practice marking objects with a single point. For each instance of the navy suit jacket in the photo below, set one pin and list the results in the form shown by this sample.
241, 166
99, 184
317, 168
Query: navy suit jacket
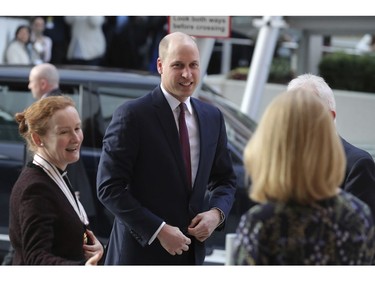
142, 181
360, 174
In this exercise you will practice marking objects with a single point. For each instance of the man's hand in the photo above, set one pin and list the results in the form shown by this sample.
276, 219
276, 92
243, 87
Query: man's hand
202, 226
173, 240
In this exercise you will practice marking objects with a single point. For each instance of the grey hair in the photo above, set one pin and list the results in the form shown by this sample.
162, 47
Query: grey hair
317, 85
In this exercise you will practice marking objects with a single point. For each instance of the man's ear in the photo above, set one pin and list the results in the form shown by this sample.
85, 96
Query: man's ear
159, 65
333, 114
43, 83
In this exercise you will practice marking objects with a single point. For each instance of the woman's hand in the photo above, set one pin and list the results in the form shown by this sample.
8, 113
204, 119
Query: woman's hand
94, 251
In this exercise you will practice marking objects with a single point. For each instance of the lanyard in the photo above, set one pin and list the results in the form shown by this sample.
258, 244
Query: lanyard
54, 174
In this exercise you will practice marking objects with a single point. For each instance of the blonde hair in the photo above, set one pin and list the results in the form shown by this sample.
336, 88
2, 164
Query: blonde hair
34, 119
295, 153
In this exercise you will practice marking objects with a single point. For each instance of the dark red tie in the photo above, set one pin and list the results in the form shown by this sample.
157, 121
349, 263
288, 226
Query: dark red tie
184, 140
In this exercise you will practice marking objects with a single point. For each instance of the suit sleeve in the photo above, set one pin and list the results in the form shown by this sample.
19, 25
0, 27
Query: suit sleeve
223, 178
115, 170
360, 181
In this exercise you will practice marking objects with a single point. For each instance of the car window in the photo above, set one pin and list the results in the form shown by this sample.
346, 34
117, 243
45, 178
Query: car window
15, 97
238, 125
112, 97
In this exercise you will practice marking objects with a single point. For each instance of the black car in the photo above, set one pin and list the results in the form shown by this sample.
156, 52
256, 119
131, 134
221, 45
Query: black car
97, 93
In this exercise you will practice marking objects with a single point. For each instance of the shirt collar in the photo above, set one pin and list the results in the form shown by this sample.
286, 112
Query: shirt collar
173, 102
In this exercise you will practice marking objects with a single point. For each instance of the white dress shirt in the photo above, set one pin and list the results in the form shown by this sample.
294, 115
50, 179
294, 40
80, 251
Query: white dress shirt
192, 126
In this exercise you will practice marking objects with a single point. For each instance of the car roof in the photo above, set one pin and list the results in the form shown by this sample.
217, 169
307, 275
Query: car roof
71, 73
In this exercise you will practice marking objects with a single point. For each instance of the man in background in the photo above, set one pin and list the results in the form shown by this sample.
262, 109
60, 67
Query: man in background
44, 81
360, 167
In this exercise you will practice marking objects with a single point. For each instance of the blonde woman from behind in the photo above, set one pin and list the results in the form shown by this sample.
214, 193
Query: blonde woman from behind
297, 162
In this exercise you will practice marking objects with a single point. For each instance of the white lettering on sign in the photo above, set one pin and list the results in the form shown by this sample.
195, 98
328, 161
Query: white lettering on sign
201, 26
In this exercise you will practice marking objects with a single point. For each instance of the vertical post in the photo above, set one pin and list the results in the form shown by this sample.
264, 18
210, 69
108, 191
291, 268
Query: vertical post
226, 57
260, 64
229, 248
205, 45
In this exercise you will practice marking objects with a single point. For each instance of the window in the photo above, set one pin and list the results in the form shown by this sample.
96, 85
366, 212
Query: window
14, 97
113, 97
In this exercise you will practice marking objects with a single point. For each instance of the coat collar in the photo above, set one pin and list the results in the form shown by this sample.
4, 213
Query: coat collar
56, 176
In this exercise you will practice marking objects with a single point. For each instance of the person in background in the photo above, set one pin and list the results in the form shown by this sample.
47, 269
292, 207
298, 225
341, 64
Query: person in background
360, 167
59, 31
44, 81
130, 34
158, 28
48, 224
41, 43
87, 43
296, 161
20, 51
156, 194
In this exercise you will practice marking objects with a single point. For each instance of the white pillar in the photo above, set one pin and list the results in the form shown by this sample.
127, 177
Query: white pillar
205, 45
229, 248
226, 57
260, 63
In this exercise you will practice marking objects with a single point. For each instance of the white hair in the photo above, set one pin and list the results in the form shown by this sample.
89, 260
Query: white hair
315, 84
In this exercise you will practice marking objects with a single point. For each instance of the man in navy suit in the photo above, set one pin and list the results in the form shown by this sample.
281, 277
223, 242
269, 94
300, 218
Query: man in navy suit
161, 219
360, 167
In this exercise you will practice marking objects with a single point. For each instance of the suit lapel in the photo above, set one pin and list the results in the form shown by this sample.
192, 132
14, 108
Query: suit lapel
201, 115
169, 128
